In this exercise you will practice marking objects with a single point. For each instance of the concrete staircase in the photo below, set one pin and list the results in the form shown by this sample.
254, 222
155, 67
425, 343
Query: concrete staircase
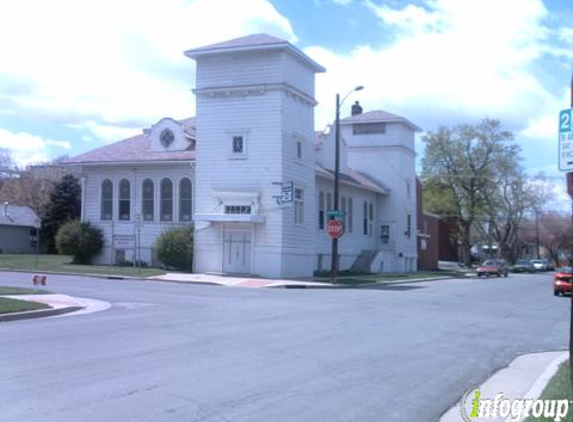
364, 261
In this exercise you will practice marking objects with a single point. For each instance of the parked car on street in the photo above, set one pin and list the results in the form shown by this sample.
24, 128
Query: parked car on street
562, 281
497, 267
523, 266
539, 264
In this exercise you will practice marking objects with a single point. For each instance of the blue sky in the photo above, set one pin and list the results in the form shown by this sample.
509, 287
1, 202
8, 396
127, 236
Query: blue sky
77, 75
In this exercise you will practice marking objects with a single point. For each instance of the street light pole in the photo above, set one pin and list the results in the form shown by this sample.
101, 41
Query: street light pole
334, 253
334, 264
571, 322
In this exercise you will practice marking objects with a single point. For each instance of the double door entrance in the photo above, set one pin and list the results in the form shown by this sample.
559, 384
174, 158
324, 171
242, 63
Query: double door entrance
237, 251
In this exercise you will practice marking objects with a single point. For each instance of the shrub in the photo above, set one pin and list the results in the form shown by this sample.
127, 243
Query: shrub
81, 240
174, 248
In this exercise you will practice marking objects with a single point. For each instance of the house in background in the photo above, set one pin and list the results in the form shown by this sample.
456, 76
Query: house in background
227, 171
428, 234
18, 229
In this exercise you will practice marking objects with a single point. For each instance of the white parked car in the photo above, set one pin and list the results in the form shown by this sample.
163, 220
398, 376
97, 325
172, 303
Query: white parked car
539, 264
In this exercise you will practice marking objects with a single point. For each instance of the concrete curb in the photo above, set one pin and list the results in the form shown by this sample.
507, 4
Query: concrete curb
206, 283
525, 377
104, 276
16, 316
535, 391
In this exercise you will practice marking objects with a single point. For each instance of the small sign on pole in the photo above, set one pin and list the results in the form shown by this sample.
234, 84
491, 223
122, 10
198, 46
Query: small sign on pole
566, 140
286, 193
335, 214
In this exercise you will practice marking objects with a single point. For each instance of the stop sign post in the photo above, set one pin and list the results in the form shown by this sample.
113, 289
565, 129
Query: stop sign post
335, 229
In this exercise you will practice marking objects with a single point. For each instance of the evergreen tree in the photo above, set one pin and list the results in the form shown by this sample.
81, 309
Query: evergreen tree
64, 206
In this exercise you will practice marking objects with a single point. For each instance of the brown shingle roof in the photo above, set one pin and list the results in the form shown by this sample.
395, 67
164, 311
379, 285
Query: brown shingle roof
136, 149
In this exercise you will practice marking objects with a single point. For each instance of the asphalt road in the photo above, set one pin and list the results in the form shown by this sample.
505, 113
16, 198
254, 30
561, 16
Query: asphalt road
172, 352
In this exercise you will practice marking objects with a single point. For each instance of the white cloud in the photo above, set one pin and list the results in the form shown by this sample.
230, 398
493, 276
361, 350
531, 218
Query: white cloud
26, 148
450, 60
342, 2
116, 61
105, 133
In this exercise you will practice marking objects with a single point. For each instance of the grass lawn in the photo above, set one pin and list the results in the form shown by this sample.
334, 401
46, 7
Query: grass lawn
353, 279
558, 388
13, 305
62, 263
4, 290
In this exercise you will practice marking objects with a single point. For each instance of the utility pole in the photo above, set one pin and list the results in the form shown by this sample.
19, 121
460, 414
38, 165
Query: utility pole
571, 293
334, 250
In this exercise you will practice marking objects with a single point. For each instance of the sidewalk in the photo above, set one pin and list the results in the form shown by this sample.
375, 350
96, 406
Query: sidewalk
524, 378
239, 281
59, 305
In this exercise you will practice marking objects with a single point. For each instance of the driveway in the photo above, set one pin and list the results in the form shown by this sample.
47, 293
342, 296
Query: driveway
174, 352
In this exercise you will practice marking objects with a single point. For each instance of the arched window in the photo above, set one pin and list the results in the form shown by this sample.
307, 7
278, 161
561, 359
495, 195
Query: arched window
185, 199
106, 212
124, 200
166, 212
147, 200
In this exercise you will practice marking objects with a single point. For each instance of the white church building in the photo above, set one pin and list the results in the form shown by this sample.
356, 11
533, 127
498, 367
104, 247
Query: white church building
225, 171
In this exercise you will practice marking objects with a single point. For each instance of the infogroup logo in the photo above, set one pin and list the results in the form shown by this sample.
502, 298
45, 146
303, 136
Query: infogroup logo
475, 408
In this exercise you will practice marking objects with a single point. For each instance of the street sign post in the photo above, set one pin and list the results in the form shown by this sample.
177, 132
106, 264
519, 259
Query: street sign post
335, 214
286, 193
335, 229
566, 140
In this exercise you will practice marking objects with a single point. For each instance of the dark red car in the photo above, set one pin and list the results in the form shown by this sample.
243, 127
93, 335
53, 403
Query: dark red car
562, 281
497, 267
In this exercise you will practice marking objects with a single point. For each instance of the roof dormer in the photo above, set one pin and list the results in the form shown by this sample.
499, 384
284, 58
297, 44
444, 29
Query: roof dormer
169, 135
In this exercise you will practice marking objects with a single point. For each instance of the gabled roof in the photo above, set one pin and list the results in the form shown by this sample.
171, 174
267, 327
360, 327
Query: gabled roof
378, 116
355, 178
18, 215
254, 42
136, 149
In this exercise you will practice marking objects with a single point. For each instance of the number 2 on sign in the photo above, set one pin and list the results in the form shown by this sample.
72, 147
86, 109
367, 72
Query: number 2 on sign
565, 121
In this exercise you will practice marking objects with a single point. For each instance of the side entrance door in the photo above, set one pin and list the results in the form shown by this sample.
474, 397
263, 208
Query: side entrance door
237, 251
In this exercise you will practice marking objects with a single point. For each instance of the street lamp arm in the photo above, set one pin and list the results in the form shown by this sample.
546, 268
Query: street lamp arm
358, 88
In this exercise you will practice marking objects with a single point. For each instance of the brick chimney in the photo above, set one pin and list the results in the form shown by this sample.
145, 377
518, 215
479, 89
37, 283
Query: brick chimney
356, 108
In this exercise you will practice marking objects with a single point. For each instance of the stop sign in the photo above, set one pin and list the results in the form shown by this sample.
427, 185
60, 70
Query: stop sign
335, 228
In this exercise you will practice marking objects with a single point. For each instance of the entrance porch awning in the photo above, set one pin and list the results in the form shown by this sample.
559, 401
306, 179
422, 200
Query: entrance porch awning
231, 218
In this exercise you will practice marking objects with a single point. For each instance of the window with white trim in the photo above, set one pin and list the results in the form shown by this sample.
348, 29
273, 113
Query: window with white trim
321, 205
350, 214
106, 212
385, 234
299, 149
185, 199
124, 200
148, 200
166, 204
365, 219
238, 146
237, 209
343, 209
371, 219
298, 206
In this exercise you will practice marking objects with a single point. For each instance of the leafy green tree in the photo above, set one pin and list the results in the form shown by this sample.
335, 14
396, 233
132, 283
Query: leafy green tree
460, 169
64, 205
81, 240
174, 247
